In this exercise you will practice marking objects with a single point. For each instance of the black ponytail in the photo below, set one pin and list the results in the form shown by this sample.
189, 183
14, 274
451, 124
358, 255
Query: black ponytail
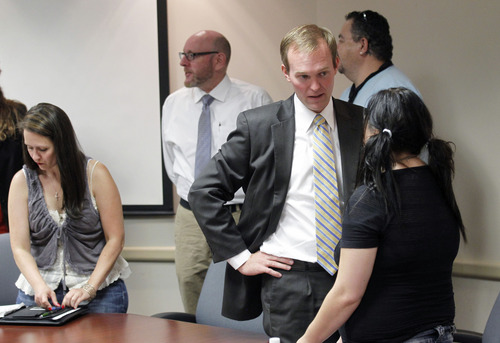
376, 170
443, 167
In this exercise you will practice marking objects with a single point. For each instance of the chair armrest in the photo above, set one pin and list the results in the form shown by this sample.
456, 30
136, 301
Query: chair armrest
180, 316
464, 336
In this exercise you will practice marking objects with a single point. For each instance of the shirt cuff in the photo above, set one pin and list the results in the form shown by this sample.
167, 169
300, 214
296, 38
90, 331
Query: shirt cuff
238, 260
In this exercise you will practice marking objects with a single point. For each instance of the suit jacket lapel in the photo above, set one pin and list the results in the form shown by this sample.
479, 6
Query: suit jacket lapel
283, 139
350, 134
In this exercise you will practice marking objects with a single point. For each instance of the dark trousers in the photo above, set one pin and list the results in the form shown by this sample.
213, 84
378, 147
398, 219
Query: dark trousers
291, 302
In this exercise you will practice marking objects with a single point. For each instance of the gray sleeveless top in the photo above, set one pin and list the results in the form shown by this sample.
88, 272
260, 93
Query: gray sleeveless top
82, 239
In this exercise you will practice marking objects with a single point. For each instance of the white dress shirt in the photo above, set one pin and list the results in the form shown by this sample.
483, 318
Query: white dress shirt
387, 78
181, 112
295, 236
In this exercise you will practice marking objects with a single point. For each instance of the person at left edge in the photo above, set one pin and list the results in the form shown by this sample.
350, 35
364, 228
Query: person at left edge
205, 59
66, 220
11, 154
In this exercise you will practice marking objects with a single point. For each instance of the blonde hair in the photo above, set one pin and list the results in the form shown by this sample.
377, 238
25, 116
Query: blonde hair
306, 38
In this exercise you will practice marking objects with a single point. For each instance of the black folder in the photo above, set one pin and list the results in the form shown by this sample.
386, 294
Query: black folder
32, 315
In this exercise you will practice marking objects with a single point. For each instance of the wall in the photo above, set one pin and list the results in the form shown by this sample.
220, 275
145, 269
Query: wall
255, 60
153, 285
439, 45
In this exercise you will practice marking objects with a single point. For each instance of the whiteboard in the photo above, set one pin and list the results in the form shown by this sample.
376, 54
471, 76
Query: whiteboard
104, 62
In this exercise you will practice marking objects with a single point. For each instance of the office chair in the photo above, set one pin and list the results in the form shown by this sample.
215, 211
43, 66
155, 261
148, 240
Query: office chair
8, 272
491, 332
209, 306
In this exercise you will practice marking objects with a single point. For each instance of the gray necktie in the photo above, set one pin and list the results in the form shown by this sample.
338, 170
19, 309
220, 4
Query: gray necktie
203, 147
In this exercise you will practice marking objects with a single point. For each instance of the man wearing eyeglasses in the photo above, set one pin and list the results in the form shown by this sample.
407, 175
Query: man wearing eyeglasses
205, 59
365, 52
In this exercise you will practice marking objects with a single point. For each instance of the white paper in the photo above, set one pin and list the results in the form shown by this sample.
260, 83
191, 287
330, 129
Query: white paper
8, 309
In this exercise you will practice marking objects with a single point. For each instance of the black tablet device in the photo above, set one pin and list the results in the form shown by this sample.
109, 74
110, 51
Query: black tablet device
33, 315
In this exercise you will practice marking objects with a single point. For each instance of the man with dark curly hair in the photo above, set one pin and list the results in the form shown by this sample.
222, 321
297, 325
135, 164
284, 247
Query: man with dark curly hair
365, 51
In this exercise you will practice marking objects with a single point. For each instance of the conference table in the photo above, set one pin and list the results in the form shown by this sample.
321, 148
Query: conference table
125, 328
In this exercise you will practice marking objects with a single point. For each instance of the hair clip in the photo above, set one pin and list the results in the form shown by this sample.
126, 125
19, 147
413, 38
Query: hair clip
389, 132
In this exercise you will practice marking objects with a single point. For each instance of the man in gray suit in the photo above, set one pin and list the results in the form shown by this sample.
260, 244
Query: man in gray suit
272, 250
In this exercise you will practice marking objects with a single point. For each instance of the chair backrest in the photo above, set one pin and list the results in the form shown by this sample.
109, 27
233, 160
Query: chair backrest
492, 330
209, 306
8, 272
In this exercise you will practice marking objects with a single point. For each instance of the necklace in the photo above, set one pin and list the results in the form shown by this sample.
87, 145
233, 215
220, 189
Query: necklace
406, 158
56, 195
52, 189
403, 162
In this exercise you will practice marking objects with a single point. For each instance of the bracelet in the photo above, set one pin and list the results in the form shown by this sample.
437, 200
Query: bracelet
90, 290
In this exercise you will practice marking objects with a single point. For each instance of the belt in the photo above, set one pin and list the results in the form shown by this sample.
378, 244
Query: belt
233, 207
302, 266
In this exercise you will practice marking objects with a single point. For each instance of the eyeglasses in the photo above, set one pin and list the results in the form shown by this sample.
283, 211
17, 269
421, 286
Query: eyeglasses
192, 55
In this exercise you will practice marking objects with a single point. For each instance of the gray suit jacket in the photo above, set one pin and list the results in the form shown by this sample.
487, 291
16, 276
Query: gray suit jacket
258, 157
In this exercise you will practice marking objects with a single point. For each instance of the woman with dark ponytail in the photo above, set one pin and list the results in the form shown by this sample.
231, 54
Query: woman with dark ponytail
401, 233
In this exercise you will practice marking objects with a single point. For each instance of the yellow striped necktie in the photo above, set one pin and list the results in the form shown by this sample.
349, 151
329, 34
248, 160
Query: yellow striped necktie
326, 196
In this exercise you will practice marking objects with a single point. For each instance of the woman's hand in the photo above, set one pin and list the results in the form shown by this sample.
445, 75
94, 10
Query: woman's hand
45, 297
74, 297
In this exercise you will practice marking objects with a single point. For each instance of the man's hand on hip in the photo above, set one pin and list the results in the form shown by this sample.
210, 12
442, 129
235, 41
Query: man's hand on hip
262, 263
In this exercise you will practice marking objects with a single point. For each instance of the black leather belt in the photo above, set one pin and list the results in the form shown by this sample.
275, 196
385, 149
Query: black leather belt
232, 207
302, 266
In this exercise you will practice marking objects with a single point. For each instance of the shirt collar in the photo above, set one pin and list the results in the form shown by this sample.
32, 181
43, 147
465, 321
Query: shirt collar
304, 117
219, 92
